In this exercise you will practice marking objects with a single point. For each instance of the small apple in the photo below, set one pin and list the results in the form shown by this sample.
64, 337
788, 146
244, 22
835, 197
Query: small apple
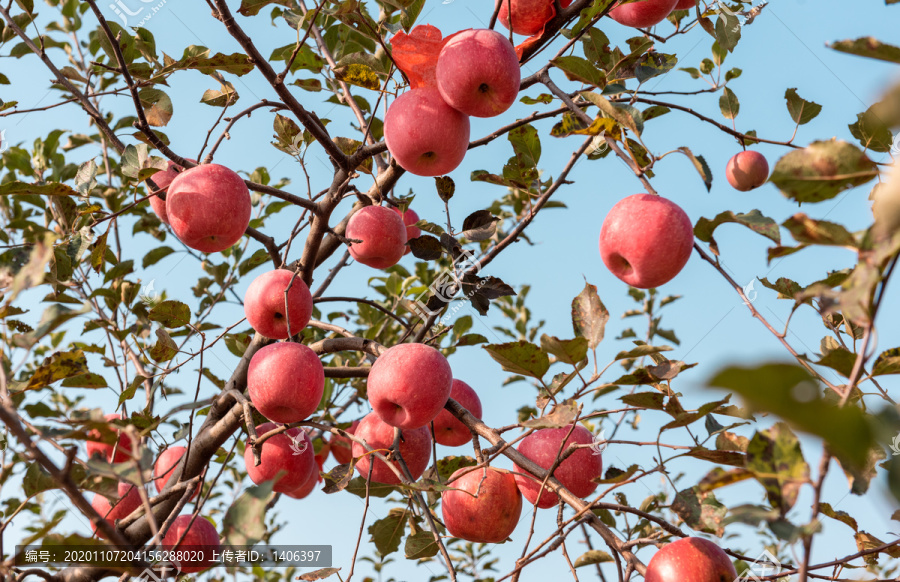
747, 171
486, 507
105, 450
643, 13
426, 136
646, 240
285, 381
290, 452
685, 4
340, 446
310, 485
528, 16
478, 73
415, 448
449, 431
383, 236
264, 304
165, 464
129, 499
409, 385
575, 472
162, 180
410, 218
694, 559
197, 538
208, 207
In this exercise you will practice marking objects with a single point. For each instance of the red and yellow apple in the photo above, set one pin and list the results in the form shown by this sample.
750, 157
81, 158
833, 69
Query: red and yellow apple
267, 309
165, 464
410, 218
694, 559
415, 448
289, 452
483, 506
199, 536
383, 236
643, 13
129, 499
162, 179
528, 16
449, 431
285, 381
747, 171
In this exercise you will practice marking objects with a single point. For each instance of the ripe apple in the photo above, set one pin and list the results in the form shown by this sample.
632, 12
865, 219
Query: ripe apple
449, 431
129, 499
478, 73
195, 537
290, 452
162, 180
340, 446
310, 485
486, 508
426, 136
264, 304
165, 464
410, 218
747, 171
415, 448
409, 385
528, 16
208, 207
575, 472
685, 4
102, 449
694, 559
643, 13
285, 381
646, 240
382, 233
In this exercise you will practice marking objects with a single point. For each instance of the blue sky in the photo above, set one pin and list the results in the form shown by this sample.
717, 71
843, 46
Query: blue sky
783, 48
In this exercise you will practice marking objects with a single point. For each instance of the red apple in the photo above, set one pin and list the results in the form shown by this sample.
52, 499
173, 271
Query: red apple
426, 136
105, 450
685, 4
340, 446
747, 171
199, 536
208, 207
449, 431
575, 472
410, 218
643, 13
285, 381
528, 16
486, 508
264, 304
478, 73
310, 485
162, 180
165, 465
415, 448
129, 499
409, 385
383, 236
693, 559
290, 452
646, 240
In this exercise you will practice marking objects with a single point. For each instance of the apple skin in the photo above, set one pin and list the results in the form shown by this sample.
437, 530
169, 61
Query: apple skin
383, 237
415, 448
276, 455
478, 73
529, 16
489, 518
165, 465
341, 446
685, 4
646, 240
208, 207
310, 485
747, 171
643, 13
105, 450
162, 179
129, 500
449, 431
575, 472
409, 384
285, 381
426, 136
693, 559
196, 536
409, 219
264, 304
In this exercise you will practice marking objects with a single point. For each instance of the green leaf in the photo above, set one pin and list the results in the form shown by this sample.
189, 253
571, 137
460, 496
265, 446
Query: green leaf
252, 7
520, 357
888, 362
700, 511
171, 313
818, 232
156, 255
445, 187
872, 132
87, 380
562, 415
592, 557
700, 165
822, 170
624, 115
579, 69
841, 516
589, 316
754, 220
421, 545
165, 348
801, 110
567, 351
48, 189
651, 400
729, 104
775, 458
244, 523
868, 47
157, 106
526, 145
58, 366
388, 531
642, 350
359, 74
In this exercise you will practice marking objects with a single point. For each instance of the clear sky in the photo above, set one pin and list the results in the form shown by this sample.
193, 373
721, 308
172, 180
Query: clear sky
783, 48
